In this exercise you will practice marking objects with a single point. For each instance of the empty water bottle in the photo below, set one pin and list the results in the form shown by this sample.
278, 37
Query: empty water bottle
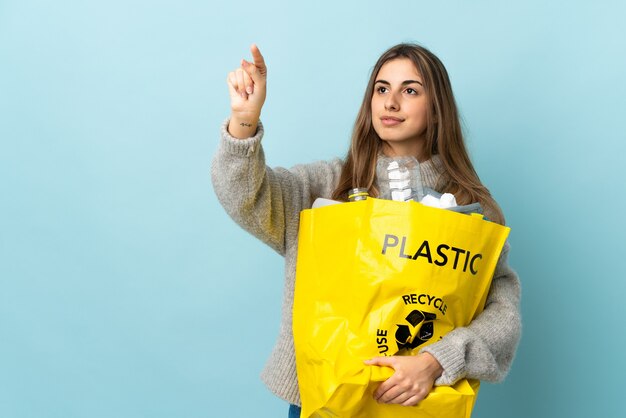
399, 178
356, 194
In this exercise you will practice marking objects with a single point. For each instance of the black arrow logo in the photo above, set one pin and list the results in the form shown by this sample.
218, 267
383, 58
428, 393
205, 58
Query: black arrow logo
423, 325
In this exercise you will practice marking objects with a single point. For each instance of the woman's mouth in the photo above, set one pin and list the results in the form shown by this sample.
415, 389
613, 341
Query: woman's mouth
390, 121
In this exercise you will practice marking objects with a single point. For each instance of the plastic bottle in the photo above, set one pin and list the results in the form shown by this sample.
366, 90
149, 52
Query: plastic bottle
399, 178
358, 193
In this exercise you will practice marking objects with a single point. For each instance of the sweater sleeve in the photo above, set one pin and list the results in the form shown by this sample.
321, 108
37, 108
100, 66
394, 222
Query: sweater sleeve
266, 201
485, 348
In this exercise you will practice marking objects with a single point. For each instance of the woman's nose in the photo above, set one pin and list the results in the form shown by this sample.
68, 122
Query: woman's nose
391, 103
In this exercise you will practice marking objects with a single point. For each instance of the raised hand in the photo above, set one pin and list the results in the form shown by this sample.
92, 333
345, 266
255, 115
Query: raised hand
247, 86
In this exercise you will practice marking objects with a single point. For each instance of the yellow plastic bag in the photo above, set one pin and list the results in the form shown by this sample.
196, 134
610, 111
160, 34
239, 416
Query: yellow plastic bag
377, 278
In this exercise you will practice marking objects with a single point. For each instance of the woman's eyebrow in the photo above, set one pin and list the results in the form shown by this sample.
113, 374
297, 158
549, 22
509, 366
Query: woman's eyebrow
404, 83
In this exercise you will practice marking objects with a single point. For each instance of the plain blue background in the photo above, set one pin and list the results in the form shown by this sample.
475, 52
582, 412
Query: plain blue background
126, 291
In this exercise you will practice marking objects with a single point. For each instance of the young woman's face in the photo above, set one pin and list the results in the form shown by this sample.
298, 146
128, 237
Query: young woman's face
399, 105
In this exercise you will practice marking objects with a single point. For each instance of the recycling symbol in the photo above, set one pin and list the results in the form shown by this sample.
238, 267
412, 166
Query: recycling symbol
419, 331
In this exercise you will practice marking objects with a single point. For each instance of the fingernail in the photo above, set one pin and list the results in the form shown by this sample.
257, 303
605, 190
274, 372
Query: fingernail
249, 90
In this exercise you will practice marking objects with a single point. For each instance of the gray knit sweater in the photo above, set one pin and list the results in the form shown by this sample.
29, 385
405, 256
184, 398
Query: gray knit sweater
267, 203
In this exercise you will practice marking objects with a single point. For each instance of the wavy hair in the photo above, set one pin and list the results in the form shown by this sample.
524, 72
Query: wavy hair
444, 136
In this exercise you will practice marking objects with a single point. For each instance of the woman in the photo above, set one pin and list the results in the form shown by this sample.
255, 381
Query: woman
408, 109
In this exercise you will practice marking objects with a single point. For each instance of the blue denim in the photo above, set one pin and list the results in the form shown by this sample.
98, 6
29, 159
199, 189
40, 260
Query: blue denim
294, 411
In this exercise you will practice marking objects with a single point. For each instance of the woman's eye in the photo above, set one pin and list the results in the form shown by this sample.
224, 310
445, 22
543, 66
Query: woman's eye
411, 91
381, 89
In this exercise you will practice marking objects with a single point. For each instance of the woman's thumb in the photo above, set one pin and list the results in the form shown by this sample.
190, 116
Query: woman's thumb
252, 71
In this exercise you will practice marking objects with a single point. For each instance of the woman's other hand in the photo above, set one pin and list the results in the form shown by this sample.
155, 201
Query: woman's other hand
247, 86
413, 378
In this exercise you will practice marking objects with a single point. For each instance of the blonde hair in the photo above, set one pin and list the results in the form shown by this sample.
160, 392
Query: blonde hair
444, 136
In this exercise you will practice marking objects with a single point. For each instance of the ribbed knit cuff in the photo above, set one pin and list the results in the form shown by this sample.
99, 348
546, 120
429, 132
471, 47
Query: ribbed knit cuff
241, 147
452, 361
279, 374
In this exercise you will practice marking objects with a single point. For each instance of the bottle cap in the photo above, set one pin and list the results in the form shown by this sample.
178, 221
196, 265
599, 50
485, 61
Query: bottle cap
358, 193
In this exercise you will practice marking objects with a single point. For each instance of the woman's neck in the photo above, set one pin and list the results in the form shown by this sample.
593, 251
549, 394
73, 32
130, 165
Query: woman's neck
401, 149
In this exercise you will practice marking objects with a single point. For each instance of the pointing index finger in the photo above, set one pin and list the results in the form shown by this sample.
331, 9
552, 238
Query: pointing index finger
259, 62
